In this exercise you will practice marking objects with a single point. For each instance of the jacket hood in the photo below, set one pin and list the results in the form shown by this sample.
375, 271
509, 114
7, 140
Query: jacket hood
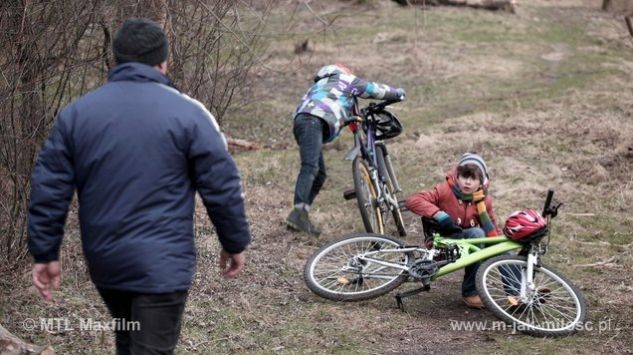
329, 70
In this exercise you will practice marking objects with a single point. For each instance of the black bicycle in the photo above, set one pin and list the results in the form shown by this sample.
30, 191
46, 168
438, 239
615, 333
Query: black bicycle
376, 187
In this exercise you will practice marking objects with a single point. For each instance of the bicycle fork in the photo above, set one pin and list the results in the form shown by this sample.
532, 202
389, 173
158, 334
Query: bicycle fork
527, 282
383, 196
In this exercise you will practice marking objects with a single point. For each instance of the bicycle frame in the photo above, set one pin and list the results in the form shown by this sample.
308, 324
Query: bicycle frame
470, 253
367, 149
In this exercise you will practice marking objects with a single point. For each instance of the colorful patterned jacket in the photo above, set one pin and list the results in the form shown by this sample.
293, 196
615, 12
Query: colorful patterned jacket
333, 96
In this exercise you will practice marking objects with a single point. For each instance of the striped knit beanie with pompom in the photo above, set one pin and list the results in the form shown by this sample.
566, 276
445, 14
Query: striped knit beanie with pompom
471, 158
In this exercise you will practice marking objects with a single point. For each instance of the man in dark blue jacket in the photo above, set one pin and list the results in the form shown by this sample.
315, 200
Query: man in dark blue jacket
136, 150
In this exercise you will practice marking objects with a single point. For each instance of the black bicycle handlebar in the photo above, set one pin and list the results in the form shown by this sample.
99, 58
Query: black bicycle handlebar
377, 107
550, 209
372, 107
548, 201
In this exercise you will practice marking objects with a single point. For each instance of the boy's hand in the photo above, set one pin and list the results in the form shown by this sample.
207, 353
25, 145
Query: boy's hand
479, 195
401, 94
447, 227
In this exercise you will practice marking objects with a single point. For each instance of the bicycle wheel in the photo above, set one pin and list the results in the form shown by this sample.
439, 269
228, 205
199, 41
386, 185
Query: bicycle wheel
351, 268
366, 195
386, 170
555, 307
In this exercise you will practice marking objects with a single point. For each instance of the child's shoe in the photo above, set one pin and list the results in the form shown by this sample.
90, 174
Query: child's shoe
474, 301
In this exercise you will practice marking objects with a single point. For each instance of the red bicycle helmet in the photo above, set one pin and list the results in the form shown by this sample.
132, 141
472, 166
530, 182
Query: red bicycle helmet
525, 226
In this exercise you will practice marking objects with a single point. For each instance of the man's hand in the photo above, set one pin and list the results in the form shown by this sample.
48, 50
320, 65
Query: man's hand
231, 264
47, 277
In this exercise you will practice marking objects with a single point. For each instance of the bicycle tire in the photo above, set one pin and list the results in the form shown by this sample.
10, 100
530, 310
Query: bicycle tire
545, 313
334, 271
384, 170
366, 195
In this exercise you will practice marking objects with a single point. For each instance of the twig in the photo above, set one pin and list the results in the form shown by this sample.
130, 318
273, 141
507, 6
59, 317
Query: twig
600, 263
315, 14
599, 242
613, 337
236, 36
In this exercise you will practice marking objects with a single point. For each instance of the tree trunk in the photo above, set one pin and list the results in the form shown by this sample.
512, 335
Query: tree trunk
503, 5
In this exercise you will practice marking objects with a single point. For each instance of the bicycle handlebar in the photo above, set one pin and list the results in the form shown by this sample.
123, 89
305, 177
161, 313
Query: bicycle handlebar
548, 201
550, 209
374, 107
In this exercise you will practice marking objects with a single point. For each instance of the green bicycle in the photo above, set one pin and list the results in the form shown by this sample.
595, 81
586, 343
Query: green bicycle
520, 290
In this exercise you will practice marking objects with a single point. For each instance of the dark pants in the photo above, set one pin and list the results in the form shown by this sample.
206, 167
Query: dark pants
510, 276
308, 132
470, 272
148, 323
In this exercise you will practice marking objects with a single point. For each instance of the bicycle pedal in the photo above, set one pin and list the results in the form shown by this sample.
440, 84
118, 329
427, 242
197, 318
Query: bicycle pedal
401, 205
349, 194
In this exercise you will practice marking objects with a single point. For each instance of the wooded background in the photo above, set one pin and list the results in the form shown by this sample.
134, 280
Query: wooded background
54, 51
554, 76
57, 50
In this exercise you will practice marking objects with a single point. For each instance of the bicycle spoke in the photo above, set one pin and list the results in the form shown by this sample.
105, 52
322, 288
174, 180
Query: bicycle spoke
356, 266
550, 307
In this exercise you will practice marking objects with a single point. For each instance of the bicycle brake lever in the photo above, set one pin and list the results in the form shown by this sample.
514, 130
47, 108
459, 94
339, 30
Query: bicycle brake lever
554, 209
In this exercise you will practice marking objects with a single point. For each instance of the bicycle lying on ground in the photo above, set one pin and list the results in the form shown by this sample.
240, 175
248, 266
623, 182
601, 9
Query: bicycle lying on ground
520, 290
375, 183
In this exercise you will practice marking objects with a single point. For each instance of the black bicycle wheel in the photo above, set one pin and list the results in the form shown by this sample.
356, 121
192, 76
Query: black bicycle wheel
357, 267
386, 172
554, 308
366, 195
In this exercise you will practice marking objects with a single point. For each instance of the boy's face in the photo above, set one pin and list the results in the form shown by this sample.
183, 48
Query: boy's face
469, 184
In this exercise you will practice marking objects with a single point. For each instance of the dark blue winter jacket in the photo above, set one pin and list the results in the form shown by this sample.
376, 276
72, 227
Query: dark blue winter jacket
136, 150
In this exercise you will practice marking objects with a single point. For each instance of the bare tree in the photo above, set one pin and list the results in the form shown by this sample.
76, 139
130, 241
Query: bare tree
42, 63
56, 50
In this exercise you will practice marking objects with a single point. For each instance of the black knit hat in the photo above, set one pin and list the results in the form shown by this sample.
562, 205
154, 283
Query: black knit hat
140, 40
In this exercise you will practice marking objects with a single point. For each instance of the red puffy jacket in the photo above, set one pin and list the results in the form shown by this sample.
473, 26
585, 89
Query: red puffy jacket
442, 198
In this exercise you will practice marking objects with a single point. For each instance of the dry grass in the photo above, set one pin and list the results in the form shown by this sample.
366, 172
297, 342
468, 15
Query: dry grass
543, 95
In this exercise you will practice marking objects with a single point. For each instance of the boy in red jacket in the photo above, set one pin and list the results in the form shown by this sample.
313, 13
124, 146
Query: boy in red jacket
463, 209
